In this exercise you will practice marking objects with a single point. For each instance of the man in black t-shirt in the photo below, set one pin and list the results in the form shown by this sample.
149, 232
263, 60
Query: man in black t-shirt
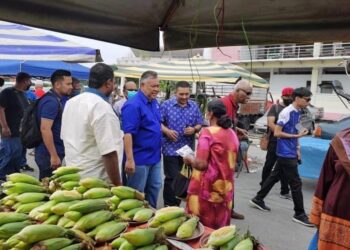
271, 157
12, 104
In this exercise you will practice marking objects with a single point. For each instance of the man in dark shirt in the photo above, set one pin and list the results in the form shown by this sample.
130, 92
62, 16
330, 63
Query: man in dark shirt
50, 153
12, 104
271, 156
142, 139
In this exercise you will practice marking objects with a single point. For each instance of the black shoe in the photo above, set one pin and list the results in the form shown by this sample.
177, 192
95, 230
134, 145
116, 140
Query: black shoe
27, 168
259, 205
303, 220
287, 196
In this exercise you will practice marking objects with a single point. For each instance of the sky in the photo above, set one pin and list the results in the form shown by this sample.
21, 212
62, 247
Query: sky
109, 51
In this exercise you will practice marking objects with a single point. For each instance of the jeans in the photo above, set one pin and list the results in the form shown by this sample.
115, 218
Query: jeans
288, 167
270, 161
147, 179
44, 164
10, 156
172, 167
23, 162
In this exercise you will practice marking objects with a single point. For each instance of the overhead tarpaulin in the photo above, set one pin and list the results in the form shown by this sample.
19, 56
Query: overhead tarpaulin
195, 70
42, 68
188, 23
19, 42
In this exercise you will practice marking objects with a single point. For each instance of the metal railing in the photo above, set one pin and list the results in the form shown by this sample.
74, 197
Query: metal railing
294, 51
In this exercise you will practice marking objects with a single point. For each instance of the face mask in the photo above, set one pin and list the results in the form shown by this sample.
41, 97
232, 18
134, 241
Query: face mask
287, 102
131, 94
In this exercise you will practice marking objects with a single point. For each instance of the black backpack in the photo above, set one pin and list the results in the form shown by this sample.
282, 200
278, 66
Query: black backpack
30, 133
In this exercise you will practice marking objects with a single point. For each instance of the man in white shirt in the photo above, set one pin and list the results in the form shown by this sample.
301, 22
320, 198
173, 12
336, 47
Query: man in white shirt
91, 130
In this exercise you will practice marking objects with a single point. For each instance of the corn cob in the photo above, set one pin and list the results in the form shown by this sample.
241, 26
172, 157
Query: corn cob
73, 215
70, 185
162, 247
52, 220
96, 193
12, 242
23, 178
10, 229
118, 212
115, 200
129, 204
63, 221
232, 243
42, 217
221, 236
246, 244
46, 208
9, 217
168, 213
52, 244
65, 195
81, 236
78, 246
143, 215
88, 206
35, 233
21, 188
31, 197
126, 246
187, 228
171, 226
81, 189
7, 184
68, 177
127, 193
92, 220
109, 230
118, 242
26, 208
91, 182
143, 237
65, 171
129, 215
62, 207
22, 246
149, 247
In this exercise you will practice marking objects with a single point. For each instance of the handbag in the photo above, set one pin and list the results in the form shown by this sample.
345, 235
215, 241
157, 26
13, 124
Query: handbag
182, 181
264, 141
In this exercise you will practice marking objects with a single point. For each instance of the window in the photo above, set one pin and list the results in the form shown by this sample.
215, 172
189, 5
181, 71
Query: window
325, 87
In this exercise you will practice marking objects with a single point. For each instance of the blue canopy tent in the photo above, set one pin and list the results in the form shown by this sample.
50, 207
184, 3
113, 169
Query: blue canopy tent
42, 68
19, 42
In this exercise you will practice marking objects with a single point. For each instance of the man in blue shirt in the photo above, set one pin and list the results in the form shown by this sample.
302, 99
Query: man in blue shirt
181, 119
50, 153
288, 129
142, 139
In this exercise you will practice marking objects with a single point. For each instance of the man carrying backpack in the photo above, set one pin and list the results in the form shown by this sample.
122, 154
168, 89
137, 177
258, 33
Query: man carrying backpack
12, 104
50, 153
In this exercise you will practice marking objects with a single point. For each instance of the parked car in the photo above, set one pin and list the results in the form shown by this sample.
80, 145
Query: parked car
308, 118
328, 129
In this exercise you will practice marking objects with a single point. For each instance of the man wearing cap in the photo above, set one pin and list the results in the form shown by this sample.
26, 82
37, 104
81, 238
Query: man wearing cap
271, 157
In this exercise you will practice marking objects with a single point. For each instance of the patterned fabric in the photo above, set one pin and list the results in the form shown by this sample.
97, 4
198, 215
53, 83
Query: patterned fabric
178, 118
210, 191
330, 206
288, 119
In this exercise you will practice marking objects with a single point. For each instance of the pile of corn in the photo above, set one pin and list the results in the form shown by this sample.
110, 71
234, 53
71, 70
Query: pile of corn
23, 193
64, 178
128, 204
46, 237
142, 239
174, 221
227, 238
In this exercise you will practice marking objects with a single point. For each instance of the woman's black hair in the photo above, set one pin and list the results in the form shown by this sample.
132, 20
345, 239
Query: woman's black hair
219, 111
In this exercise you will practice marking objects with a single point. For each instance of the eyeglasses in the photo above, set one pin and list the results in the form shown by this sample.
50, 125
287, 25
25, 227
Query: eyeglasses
308, 99
246, 92
132, 90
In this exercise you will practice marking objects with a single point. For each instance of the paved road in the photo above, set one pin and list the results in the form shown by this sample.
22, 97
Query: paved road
275, 229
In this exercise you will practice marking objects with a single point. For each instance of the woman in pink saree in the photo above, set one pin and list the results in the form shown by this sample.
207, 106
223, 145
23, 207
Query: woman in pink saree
211, 186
